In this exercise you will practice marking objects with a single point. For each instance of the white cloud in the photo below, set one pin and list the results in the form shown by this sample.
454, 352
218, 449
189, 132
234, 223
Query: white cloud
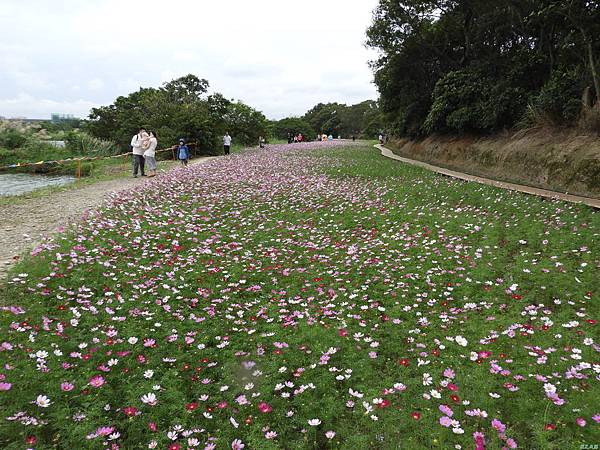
279, 56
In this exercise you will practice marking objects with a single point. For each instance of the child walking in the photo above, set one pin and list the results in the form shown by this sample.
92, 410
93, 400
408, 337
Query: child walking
183, 153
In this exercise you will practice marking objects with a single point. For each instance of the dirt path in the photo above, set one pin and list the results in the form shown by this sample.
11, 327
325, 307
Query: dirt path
593, 202
26, 223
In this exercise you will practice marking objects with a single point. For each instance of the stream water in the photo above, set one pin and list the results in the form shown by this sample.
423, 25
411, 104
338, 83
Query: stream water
19, 183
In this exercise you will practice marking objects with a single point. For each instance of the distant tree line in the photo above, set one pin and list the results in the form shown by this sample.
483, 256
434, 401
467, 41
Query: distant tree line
361, 120
480, 66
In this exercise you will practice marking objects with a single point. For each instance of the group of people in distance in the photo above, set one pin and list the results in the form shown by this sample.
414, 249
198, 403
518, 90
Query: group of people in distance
143, 147
324, 137
295, 138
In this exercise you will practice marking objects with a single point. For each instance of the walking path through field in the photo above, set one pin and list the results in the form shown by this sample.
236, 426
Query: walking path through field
593, 202
25, 223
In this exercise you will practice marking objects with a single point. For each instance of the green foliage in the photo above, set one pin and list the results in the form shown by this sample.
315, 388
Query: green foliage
245, 123
84, 144
279, 129
177, 110
12, 138
466, 66
363, 119
560, 98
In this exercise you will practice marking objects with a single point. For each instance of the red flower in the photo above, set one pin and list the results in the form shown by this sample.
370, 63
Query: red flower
549, 427
384, 404
455, 398
342, 332
592, 321
31, 439
404, 362
517, 297
152, 426
248, 420
453, 387
174, 446
130, 411
416, 415
191, 406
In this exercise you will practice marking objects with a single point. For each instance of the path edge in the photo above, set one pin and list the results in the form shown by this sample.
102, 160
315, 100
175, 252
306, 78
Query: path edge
588, 201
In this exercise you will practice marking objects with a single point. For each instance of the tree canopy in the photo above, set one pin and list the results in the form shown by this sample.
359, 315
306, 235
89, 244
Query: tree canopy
483, 65
178, 109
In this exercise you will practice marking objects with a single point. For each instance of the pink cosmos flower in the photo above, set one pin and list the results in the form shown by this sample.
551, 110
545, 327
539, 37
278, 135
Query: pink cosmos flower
5, 386
330, 434
449, 373
479, 440
66, 386
580, 421
445, 421
596, 418
498, 426
237, 444
511, 443
265, 407
97, 381
445, 409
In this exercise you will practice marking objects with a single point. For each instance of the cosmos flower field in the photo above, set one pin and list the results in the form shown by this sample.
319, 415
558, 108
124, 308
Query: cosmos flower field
307, 296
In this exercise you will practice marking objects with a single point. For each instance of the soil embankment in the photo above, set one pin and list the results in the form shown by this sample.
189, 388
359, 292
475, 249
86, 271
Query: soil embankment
562, 162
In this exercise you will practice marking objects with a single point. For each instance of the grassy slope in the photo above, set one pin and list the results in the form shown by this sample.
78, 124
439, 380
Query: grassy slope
397, 258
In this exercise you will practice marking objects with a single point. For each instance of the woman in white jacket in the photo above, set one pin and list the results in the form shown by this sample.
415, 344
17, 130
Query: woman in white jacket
150, 155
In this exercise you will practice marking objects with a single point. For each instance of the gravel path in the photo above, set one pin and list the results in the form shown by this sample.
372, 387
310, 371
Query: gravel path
26, 223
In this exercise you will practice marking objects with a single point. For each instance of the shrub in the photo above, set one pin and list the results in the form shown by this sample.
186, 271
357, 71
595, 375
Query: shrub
559, 101
84, 144
12, 139
457, 103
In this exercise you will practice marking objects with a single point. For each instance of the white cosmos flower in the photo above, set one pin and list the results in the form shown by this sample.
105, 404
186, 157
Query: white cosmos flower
149, 399
314, 422
427, 379
172, 435
461, 341
355, 393
148, 374
42, 401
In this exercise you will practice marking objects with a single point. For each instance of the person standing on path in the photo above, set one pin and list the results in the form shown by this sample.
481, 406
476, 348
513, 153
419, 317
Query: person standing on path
150, 154
226, 143
183, 153
137, 147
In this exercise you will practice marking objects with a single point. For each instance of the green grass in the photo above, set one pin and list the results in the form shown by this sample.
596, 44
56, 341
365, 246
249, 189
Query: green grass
317, 249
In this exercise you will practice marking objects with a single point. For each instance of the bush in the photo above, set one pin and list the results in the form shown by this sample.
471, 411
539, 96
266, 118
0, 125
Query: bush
86, 145
457, 103
470, 101
12, 139
559, 101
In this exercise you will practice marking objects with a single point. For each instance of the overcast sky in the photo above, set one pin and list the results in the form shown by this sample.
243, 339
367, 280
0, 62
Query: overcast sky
279, 56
